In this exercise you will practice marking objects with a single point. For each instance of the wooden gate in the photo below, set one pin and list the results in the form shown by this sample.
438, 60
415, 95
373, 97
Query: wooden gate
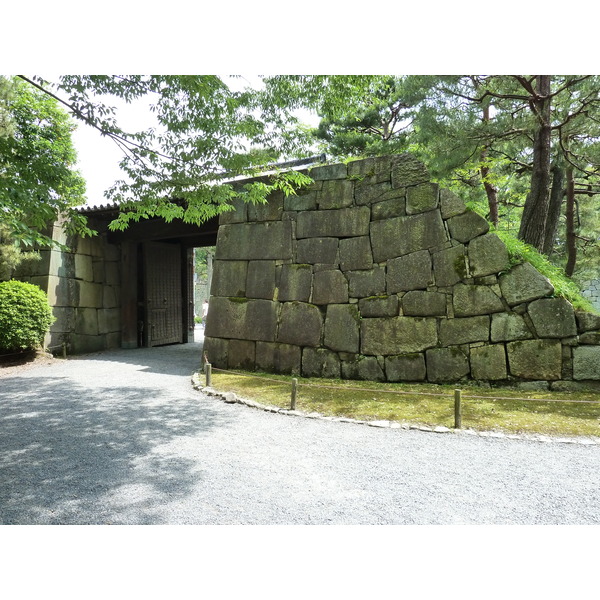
162, 294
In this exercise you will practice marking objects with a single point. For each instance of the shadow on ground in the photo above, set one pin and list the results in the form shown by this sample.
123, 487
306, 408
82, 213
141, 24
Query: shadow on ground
72, 452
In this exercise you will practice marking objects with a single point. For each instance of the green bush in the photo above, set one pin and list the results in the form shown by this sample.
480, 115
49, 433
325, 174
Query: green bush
25, 316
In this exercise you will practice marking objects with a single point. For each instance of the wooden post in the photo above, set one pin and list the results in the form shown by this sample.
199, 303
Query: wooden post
294, 393
208, 373
64, 349
457, 410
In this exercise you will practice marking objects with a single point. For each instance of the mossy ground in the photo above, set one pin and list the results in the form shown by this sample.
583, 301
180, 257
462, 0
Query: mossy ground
542, 412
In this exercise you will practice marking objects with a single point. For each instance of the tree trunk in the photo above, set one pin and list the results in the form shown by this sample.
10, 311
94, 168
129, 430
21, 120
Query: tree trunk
535, 211
570, 232
490, 190
556, 197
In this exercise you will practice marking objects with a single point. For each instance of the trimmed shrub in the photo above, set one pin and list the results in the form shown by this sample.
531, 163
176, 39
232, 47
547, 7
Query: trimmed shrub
25, 316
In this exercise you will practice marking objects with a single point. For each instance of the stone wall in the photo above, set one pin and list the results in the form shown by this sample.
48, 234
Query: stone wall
83, 287
375, 273
591, 291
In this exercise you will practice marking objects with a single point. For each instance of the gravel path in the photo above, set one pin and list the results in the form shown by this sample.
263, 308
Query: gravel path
121, 437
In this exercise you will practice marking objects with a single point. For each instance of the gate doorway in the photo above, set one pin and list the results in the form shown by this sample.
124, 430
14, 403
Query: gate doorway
157, 280
161, 309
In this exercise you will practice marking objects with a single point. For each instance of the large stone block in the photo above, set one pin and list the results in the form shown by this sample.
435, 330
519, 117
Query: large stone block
84, 267
591, 338
389, 208
586, 362
216, 351
343, 222
553, 318
422, 198
467, 226
454, 332
109, 320
65, 319
323, 251
371, 170
487, 255
419, 303
509, 327
446, 364
301, 324
61, 291
97, 247
366, 283
367, 368
379, 306
82, 344
326, 172
342, 328
86, 321
407, 171
320, 362
488, 363
450, 204
241, 318
367, 193
241, 355
400, 335
535, 359
524, 283
63, 263
113, 340
99, 271
295, 283
449, 266
278, 358
329, 287
302, 200
260, 279
271, 240
338, 193
90, 294
410, 272
239, 214
355, 253
405, 367
112, 252
229, 278
470, 300
403, 235
271, 210
587, 321
112, 273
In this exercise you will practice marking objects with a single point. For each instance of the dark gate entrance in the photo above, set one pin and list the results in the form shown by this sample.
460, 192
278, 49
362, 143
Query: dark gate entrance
157, 276
162, 294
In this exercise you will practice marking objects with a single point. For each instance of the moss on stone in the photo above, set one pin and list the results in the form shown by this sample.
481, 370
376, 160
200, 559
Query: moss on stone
460, 267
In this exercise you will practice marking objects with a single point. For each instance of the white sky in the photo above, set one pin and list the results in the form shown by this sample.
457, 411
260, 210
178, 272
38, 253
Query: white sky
99, 156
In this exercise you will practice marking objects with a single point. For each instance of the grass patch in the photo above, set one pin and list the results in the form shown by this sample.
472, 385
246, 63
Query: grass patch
425, 404
563, 286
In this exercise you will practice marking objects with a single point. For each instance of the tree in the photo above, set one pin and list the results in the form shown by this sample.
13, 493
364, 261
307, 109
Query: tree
38, 179
509, 139
377, 125
205, 133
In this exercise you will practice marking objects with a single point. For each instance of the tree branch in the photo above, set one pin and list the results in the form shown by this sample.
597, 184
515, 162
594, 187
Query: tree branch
88, 121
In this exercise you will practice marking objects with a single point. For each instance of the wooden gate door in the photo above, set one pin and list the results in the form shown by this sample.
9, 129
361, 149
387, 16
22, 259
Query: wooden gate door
162, 294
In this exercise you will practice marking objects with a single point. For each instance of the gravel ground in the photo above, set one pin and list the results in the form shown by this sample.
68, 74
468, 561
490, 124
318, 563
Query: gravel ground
121, 437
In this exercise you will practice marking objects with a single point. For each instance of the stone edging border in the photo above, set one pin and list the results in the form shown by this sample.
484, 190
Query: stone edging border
231, 398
